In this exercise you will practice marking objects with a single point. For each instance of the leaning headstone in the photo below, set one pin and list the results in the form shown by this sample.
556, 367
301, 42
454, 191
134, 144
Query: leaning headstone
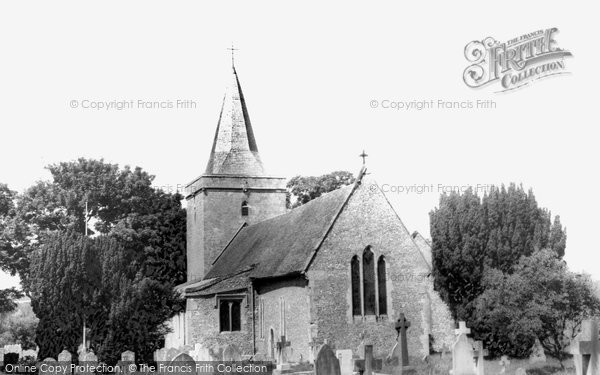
504, 362
327, 363
346, 362
537, 353
462, 352
586, 349
231, 353
65, 359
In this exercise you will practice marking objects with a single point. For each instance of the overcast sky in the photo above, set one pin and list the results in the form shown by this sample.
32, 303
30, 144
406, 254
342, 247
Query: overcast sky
309, 72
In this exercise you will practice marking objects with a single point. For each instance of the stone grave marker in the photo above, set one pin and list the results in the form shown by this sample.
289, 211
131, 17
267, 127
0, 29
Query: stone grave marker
504, 362
184, 360
398, 358
462, 352
44, 370
231, 353
160, 355
1, 356
65, 359
128, 356
367, 364
327, 363
537, 353
479, 353
282, 358
346, 362
171, 353
201, 353
586, 349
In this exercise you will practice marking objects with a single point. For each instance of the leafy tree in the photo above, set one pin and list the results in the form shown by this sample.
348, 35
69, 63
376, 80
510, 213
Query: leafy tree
472, 235
541, 298
18, 327
8, 253
304, 189
7, 299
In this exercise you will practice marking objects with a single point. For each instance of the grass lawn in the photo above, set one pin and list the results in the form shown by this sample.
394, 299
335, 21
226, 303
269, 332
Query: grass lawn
439, 366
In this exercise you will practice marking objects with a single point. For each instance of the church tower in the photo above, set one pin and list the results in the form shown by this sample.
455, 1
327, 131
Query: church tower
234, 189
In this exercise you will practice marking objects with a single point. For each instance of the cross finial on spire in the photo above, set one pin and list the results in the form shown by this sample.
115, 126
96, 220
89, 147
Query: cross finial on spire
232, 49
364, 157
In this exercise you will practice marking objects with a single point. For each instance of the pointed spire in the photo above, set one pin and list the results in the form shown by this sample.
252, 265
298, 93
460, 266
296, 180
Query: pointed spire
234, 150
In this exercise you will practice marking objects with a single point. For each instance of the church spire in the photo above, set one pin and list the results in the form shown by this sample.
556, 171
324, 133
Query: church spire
234, 150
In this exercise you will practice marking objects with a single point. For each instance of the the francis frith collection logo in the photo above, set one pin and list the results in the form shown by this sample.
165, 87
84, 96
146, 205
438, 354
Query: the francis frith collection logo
514, 63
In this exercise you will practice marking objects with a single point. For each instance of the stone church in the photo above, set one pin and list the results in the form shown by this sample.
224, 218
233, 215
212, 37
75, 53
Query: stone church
339, 269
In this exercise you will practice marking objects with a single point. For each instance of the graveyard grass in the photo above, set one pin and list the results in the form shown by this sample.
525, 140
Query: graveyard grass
438, 366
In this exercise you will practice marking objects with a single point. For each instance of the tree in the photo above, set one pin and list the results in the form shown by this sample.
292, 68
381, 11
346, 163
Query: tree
77, 280
8, 253
18, 327
541, 298
472, 235
304, 189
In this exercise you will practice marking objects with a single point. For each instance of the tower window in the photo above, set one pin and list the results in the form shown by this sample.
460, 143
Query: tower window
244, 208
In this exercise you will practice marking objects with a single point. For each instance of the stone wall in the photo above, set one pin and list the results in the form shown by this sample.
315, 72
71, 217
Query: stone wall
269, 298
368, 220
203, 326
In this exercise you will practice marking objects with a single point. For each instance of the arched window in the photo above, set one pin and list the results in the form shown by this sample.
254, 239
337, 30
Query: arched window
244, 208
381, 286
369, 282
355, 279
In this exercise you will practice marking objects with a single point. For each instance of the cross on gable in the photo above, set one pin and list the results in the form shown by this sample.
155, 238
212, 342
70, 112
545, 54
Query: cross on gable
462, 328
364, 156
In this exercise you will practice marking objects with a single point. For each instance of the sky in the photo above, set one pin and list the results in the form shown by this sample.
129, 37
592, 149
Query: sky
312, 74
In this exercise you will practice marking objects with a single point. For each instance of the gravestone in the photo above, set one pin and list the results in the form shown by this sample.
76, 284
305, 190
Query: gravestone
282, 360
586, 349
160, 355
327, 363
128, 356
366, 365
504, 362
346, 362
537, 353
399, 356
171, 353
479, 353
65, 359
44, 370
1, 356
231, 353
200, 353
183, 360
462, 352
520, 371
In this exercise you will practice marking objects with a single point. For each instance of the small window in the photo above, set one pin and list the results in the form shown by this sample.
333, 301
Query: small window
369, 298
355, 280
381, 282
230, 318
244, 208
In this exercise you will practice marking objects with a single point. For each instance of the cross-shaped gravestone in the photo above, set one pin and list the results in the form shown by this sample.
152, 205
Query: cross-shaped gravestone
504, 362
462, 328
366, 365
281, 356
478, 353
401, 326
585, 349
